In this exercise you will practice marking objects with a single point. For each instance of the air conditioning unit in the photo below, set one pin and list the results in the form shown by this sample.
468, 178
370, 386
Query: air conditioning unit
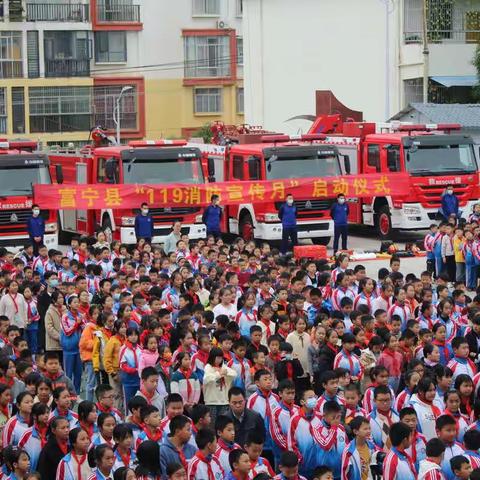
222, 24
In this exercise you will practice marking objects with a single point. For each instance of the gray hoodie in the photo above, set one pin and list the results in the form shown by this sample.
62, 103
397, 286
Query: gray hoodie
427, 466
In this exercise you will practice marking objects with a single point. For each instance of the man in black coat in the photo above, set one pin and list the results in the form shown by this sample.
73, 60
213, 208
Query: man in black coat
43, 302
244, 420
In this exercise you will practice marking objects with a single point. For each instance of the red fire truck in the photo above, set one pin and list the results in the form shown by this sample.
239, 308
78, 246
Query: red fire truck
432, 155
21, 166
155, 162
274, 157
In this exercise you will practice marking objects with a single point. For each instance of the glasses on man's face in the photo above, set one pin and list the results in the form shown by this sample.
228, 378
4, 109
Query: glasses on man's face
384, 400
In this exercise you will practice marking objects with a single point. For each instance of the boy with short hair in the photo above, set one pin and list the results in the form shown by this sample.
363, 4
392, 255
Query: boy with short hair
446, 428
461, 363
105, 398
254, 447
471, 442
347, 359
225, 429
283, 414
430, 467
240, 364
54, 373
151, 419
461, 467
417, 449
397, 464
204, 464
357, 457
149, 389
239, 462
174, 407
330, 383
323, 473
288, 467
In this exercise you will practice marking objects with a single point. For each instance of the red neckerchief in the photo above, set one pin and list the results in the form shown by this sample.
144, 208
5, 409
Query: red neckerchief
187, 374
202, 458
103, 409
108, 333
387, 415
14, 300
52, 376
139, 424
283, 334
6, 411
8, 383
125, 458
165, 366
391, 354
155, 437
289, 370
221, 380
80, 461
466, 403
134, 350
42, 433
87, 428
148, 396
332, 347
256, 346
63, 447
202, 356
267, 327
182, 457
62, 413
275, 357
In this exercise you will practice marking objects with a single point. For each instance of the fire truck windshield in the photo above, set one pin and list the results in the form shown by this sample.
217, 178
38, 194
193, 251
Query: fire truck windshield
155, 171
440, 159
316, 164
18, 180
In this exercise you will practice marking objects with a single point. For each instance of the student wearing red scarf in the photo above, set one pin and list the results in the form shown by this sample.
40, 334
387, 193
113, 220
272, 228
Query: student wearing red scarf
35, 438
392, 360
87, 417
185, 381
151, 420
74, 465
204, 465
55, 448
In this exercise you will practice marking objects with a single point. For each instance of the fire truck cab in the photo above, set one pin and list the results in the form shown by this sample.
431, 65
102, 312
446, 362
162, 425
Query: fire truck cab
432, 155
275, 157
140, 162
21, 166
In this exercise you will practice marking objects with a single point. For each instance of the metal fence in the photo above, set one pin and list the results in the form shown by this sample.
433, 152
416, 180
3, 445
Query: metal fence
57, 12
117, 12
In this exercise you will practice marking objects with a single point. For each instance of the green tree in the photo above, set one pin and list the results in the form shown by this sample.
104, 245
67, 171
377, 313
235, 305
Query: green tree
204, 132
476, 64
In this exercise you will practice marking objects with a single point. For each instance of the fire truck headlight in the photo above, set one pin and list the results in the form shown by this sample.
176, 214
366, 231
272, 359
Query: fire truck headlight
128, 221
410, 210
199, 219
50, 227
271, 217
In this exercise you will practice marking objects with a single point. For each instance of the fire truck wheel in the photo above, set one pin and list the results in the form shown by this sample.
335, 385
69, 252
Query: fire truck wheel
384, 222
107, 228
246, 227
321, 241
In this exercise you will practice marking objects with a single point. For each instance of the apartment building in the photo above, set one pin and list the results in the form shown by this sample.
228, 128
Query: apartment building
64, 64
369, 53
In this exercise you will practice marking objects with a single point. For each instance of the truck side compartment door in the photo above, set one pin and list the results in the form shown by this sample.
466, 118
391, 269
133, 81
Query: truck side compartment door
82, 218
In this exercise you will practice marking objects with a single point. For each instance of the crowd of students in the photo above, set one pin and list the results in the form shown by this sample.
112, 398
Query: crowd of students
231, 361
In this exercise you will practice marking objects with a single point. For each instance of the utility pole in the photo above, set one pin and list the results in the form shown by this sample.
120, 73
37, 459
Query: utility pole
425, 52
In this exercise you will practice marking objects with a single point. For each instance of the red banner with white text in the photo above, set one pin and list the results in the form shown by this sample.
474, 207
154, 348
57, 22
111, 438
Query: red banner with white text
102, 196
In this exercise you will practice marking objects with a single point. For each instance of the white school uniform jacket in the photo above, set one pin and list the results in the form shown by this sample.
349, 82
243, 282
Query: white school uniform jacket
199, 468
426, 416
398, 466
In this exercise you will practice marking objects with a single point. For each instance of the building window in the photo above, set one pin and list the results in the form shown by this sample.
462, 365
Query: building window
207, 56
413, 90
206, 7
240, 100
239, 8
3, 110
60, 109
11, 65
18, 109
110, 47
208, 100
105, 97
67, 53
239, 51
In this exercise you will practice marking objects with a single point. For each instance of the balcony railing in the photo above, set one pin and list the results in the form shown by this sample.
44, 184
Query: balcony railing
447, 22
57, 12
11, 69
118, 12
67, 67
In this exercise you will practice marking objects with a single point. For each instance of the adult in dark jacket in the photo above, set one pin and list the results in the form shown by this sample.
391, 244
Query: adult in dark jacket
36, 228
473, 339
43, 302
244, 420
288, 216
144, 224
213, 216
339, 213
449, 203
55, 449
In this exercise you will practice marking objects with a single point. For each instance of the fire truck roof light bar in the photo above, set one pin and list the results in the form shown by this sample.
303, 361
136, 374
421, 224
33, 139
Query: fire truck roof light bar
157, 143
274, 138
429, 127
